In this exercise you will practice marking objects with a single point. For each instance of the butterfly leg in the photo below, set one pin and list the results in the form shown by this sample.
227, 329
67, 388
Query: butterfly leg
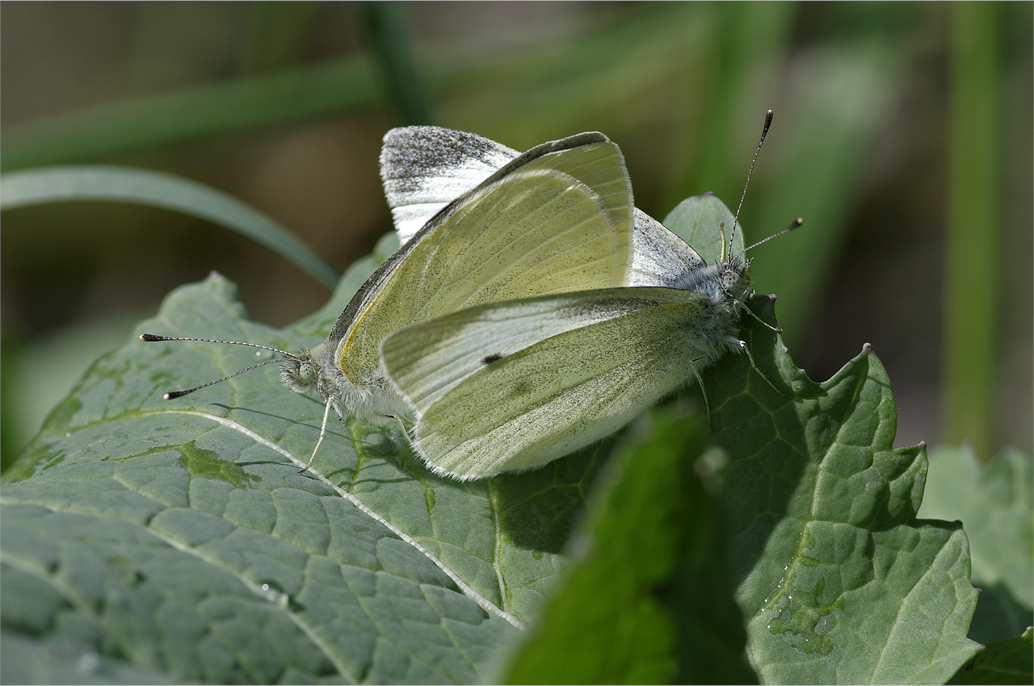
405, 424
707, 405
763, 322
743, 346
323, 434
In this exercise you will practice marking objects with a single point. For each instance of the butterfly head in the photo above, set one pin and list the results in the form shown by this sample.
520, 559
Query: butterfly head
314, 369
299, 373
727, 283
734, 277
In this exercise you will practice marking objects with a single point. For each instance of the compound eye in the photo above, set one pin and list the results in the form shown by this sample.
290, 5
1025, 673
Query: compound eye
306, 373
298, 375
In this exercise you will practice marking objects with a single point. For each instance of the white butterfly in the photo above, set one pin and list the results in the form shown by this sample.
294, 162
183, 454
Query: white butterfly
515, 384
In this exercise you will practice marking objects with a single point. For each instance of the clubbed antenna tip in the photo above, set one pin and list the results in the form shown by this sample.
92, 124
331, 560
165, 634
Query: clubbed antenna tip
764, 132
793, 225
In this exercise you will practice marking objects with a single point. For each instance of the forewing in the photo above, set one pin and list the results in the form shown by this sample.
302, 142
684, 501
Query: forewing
424, 168
532, 230
514, 385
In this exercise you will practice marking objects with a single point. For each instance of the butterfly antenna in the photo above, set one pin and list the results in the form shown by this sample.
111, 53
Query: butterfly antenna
796, 223
764, 132
178, 394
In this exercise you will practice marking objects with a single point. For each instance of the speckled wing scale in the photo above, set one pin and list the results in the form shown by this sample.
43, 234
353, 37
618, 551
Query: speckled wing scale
543, 376
424, 168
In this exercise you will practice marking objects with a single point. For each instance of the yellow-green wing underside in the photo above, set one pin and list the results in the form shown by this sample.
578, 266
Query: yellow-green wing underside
557, 223
514, 385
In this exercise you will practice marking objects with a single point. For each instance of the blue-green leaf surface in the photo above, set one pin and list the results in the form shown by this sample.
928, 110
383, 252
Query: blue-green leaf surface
838, 580
178, 536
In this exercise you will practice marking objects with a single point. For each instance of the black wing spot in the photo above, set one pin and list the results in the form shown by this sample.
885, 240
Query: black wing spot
494, 357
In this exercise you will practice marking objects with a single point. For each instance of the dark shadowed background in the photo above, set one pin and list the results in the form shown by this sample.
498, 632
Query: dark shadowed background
903, 136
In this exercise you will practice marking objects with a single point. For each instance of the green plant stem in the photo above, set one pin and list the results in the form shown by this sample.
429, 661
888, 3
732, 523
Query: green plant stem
333, 87
385, 31
167, 191
276, 35
971, 262
191, 113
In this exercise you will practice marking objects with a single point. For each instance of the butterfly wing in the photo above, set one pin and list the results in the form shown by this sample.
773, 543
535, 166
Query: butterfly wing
424, 168
556, 219
514, 385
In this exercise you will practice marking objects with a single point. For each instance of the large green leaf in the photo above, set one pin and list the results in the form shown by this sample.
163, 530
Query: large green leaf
650, 527
842, 584
180, 537
812, 532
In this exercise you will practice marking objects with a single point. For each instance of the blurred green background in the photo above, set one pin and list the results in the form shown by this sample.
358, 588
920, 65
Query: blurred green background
903, 136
